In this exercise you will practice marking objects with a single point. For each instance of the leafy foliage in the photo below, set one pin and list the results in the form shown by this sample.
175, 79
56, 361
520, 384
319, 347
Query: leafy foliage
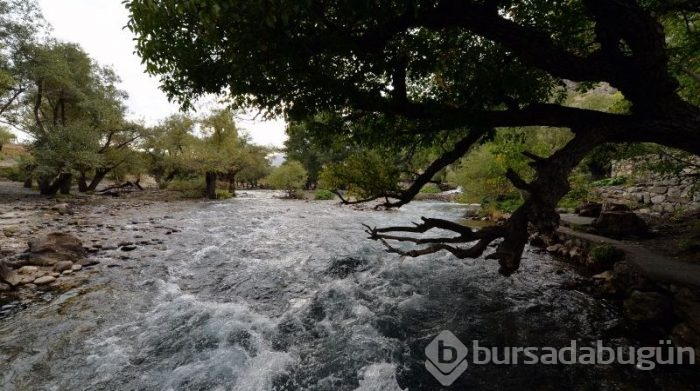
608, 182
323, 194
364, 174
5, 137
291, 176
482, 172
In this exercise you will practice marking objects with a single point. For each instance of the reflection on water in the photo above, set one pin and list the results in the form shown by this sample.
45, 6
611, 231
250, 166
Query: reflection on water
258, 293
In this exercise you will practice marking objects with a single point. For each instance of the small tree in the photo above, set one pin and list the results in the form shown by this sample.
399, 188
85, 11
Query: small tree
291, 176
5, 137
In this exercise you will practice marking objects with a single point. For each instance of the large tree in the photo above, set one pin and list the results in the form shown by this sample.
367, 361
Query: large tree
75, 113
20, 23
423, 68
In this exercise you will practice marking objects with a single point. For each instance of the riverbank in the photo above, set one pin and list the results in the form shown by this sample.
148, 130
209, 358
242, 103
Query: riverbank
112, 231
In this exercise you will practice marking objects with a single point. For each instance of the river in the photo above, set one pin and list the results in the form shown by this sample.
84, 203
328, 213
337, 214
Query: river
258, 293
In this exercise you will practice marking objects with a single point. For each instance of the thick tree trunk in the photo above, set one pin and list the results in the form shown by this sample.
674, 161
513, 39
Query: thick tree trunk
100, 174
232, 184
210, 178
65, 183
62, 182
82, 183
45, 187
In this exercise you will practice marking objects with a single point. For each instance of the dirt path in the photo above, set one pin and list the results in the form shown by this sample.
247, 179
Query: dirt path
655, 266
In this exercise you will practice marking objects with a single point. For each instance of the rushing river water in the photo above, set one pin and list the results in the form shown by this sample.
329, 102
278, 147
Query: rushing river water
258, 293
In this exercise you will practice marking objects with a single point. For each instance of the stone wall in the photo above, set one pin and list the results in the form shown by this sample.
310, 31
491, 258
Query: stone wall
650, 193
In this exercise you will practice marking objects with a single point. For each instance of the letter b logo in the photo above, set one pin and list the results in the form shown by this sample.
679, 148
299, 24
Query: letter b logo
446, 358
446, 354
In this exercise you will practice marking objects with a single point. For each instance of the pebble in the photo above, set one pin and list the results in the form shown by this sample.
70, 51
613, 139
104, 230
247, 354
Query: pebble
44, 280
27, 270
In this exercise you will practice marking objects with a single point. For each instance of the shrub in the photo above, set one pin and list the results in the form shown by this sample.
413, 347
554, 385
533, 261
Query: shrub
223, 194
430, 188
190, 187
323, 194
291, 176
689, 245
296, 194
14, 174
607, 254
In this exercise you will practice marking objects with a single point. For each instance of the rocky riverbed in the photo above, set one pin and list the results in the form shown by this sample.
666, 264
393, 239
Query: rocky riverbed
56, 245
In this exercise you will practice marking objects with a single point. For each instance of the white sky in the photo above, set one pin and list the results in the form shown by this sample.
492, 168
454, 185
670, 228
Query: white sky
98, 26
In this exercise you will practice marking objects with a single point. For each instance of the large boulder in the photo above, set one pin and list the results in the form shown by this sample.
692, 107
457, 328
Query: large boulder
47, 250
8, 275
620, 224
590, 209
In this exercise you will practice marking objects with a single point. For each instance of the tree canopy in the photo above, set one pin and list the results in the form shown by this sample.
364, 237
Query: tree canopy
409, 72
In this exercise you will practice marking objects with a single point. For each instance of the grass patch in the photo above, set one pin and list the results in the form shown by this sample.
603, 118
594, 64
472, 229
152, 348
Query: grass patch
609, 182
223, 194
323, 194
430, 188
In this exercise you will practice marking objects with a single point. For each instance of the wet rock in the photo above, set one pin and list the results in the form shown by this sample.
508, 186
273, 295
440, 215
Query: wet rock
657, 199
10, 231
76, 268
536, 240
27, 270
62, 208
28, 279
555, 248
5, 287
619, 224
86, 262
647, 306
44, 280
606, 283
49, 249
590, 209
606, 275
128, 248
63, 266
614, 207
8, 275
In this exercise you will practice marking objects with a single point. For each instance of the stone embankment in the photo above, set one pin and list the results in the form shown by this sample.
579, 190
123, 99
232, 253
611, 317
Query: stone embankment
652, 193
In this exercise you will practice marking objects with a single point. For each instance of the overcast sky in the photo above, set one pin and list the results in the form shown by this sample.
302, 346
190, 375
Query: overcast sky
98, 26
